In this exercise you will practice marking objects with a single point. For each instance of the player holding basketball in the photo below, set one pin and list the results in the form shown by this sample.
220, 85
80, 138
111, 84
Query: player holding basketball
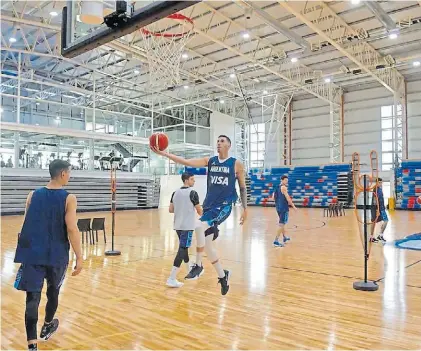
382, 214
184, 204
43, 249
282, 203
223, 171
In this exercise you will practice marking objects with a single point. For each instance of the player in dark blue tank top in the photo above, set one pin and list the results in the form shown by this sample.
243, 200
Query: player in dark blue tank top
43, 248
282, 203
223, 171
382, 215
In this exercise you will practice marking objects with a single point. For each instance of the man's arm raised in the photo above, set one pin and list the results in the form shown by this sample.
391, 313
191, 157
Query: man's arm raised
193, 162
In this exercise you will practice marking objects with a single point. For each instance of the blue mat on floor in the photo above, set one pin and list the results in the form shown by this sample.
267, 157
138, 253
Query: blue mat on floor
411, 242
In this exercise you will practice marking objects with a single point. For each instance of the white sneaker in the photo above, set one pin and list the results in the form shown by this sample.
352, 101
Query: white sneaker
174, 283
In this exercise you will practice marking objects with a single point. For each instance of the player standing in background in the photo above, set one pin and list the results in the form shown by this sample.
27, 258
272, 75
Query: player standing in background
282, 203
184, 204
382, 214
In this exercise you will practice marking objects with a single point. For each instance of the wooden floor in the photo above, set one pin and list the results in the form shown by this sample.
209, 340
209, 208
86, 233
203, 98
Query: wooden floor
297, 297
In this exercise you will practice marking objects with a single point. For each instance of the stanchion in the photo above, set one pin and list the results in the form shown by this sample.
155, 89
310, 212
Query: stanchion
365, 285
113, 252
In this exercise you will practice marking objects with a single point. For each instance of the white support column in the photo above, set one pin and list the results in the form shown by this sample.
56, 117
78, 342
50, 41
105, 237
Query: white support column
91, 166
19, 90
16, 158
336, 131
94, 105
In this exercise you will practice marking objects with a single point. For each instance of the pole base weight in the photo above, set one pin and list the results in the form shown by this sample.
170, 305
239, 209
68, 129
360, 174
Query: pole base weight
365, 286
112, 253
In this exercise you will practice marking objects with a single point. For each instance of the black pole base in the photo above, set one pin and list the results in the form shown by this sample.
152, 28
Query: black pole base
365, 286
112, 253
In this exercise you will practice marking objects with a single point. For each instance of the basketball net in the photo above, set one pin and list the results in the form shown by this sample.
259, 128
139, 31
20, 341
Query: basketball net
370, 191
164, 42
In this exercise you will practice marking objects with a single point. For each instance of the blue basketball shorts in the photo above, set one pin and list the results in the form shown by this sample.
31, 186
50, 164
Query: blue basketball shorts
31, 277
382, 216
185, 237
217, 215
283, 217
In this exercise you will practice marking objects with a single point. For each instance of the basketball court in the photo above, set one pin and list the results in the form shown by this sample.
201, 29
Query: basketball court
327, 93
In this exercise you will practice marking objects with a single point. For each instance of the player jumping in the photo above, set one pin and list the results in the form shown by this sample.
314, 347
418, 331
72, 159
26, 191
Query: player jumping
223, 171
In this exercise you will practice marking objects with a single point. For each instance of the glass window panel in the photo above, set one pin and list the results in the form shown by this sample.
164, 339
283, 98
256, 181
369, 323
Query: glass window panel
261, 137
261, 128
386, 167
387, 123
387, 135
253, 138
253, 146
254, 156
387, 146
261, 146
386, 111
387, 158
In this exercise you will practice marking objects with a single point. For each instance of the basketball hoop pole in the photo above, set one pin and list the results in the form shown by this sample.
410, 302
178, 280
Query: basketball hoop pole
365, 285
113, 209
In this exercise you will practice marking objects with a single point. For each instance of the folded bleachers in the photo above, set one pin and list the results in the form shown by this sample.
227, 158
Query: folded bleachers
408, 184
93, 190
309, 186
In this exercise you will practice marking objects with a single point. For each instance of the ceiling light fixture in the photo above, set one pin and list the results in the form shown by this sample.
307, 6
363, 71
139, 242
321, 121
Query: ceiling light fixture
53, 13
232, 75
355, 2
184, 56
265, 91
393, 36
222, 102
416, 63
246, 35
327, 80
186, 87
294, 59
136, 71
12, 40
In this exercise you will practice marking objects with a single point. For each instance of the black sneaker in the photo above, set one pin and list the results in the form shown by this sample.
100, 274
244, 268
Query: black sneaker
48, 330
381, 239
224, 282
32, 347
374, 240
195, 272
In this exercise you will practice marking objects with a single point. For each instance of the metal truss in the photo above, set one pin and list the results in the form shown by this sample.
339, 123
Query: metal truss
279, 104
242, 141
336, 142
258, 53
333, 31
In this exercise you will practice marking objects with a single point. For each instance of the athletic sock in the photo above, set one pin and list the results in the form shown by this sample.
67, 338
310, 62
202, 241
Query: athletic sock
219, 269
173, 274
199, 257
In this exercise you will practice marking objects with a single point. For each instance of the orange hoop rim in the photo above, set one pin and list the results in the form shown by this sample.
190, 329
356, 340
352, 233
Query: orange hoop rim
174, 16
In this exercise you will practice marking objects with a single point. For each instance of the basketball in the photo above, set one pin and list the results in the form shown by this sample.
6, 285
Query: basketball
419, 200
159, 140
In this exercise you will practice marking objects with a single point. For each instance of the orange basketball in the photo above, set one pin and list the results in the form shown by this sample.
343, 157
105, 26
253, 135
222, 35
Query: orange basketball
159, 140
419, 200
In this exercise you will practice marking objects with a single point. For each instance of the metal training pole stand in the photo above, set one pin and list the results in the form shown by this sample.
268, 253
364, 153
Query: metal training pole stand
113, 209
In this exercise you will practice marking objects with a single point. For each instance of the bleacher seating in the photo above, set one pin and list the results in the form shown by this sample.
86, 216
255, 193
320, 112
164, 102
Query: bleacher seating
408, 184
93, 192
309, 186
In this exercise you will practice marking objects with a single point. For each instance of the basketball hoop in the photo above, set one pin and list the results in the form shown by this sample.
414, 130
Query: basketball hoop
164, 42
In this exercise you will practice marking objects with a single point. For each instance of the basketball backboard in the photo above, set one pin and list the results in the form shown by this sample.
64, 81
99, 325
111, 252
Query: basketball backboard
88, 24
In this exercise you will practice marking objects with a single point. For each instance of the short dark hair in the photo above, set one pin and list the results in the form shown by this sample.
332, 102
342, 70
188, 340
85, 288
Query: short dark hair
186, 175
283, 177
58, 166
379, 179
224, 136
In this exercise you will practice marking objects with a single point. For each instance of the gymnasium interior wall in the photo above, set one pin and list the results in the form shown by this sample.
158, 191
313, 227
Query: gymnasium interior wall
362, 126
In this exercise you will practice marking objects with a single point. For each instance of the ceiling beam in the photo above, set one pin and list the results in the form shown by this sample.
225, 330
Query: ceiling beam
377, 10
390, 78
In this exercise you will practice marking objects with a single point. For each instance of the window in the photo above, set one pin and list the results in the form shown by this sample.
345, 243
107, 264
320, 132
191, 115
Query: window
388, 126
257, 145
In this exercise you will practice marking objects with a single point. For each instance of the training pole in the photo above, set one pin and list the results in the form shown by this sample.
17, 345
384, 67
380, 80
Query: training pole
113, 209
365, 285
